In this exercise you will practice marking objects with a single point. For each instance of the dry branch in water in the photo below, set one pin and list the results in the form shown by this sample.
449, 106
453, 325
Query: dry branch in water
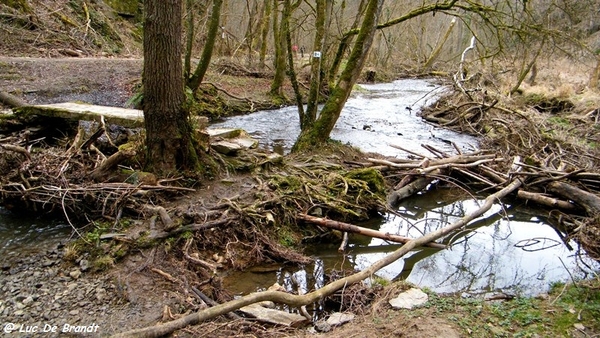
346, 227
329, 289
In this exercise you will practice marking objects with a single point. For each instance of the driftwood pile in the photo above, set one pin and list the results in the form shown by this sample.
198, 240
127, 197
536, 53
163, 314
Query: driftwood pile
479, 173
571, 197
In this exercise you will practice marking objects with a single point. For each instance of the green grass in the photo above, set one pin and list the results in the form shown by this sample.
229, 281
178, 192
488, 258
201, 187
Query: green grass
551, 316
560, 121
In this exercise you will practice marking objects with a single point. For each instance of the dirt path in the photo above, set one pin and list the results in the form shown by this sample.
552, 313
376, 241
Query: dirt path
103, 81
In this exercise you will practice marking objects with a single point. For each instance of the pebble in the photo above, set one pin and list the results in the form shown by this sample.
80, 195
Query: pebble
84, 265
75, 274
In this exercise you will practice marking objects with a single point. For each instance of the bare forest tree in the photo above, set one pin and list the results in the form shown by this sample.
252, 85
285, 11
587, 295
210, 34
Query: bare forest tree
341, 38
194, 81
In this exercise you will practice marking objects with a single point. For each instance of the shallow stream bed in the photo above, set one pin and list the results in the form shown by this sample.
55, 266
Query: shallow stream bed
512, 249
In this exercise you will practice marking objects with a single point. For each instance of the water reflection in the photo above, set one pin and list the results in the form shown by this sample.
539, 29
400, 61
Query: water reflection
507, 249
511, 249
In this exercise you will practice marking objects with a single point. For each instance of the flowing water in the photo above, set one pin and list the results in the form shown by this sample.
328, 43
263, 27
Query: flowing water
20, 235
511, 248
374, 118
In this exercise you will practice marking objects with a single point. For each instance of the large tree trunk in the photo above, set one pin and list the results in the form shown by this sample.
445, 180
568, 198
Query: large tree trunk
168, 132
318, 133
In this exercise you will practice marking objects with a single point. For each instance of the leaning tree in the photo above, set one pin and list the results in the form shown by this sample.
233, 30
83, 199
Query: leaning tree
318, 131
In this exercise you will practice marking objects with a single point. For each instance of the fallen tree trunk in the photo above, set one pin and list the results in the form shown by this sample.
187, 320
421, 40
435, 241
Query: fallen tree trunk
107, 167
394, 198
589, 201
346, 227
11, 100
300, 300
546, 200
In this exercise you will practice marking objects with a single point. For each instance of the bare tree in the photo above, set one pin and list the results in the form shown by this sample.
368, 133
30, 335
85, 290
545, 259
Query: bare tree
213, 28
319, 131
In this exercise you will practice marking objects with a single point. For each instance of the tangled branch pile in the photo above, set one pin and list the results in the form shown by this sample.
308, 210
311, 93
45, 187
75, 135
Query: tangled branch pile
556, 141
48, 27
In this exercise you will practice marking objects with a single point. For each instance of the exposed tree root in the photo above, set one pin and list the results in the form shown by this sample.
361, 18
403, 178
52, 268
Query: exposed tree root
301, 300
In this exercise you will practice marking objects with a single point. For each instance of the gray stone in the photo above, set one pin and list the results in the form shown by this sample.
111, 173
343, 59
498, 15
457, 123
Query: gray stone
84, 265
409, 299
226, 147
28, 300
267, 315
245, 142
322, 326
48, 262
338, 318
224, 132
75, 274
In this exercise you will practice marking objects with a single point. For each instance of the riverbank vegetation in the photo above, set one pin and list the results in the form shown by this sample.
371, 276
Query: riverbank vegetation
537, 126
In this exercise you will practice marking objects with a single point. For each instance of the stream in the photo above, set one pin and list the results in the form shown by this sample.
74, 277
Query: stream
512, 248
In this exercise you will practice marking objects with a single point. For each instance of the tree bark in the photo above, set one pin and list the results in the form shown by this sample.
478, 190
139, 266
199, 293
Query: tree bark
318, 133
589, 201
168, 131
189, 38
